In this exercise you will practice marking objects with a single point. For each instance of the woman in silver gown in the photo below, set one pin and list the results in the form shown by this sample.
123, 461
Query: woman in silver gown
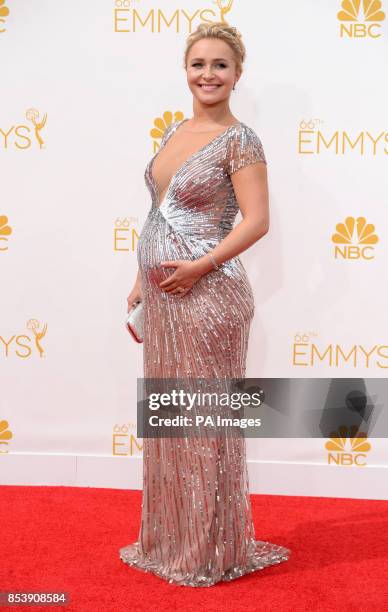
196, 525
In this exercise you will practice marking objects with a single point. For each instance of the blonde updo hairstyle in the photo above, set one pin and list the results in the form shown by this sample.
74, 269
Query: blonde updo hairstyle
222, 31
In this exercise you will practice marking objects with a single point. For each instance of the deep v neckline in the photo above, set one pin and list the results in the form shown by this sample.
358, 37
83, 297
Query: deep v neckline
187, 161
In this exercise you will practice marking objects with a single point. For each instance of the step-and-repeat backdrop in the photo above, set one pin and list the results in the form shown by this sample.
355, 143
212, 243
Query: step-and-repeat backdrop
87, 90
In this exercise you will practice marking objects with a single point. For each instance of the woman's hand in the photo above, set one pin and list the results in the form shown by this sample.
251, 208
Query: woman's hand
135, 295
186, 274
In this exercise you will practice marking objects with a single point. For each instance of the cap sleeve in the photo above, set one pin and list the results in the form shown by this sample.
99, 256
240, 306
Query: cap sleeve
244, 148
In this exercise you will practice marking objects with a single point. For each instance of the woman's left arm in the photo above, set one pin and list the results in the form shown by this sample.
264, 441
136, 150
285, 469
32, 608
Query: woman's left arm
250, 185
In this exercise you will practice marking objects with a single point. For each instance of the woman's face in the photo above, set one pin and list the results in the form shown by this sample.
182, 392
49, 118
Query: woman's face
211, 70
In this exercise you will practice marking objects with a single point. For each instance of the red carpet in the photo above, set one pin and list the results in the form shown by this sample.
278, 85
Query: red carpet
67, 539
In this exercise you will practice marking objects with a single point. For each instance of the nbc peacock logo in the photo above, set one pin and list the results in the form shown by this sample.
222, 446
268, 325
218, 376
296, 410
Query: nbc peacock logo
131, 16
347, 447
361, 18
5, 436
161, 124
5, 231
354, 239
4, 12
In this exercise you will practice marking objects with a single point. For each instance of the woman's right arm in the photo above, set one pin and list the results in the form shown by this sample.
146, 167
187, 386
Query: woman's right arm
136, 293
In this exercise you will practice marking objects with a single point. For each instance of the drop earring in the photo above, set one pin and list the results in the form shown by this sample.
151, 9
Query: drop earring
234, 86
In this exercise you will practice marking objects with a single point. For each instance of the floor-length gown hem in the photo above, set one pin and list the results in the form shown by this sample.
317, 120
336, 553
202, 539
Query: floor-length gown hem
265, 555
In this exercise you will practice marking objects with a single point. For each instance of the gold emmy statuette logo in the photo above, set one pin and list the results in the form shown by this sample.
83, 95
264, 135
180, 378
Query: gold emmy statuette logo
124, 442
361, 18
130, 18
336, 446
4, 12
5, 435
356, 238
224, 8
124, 231
33, 325
33, 115
5, 230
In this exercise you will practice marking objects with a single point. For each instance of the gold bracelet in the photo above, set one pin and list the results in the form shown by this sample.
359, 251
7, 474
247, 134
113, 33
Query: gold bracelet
215, 266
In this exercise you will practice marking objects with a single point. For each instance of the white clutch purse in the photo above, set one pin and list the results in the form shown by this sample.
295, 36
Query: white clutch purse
134, 322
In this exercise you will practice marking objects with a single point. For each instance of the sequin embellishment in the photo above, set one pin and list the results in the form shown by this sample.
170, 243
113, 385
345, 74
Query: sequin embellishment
196, 524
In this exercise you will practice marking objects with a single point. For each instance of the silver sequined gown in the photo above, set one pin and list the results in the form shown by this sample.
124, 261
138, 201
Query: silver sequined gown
196, 525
